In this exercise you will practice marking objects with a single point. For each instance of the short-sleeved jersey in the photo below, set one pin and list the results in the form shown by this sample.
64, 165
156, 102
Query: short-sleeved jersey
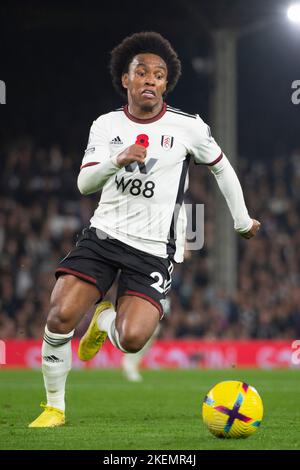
142, 204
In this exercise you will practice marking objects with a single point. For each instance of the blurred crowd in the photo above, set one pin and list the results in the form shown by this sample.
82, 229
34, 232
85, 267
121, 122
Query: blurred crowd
41, 212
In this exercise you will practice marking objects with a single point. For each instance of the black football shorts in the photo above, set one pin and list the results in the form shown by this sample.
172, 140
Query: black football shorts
98, 258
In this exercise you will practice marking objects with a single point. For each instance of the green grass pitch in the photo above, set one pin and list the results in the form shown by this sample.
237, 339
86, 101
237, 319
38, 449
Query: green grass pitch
106, 412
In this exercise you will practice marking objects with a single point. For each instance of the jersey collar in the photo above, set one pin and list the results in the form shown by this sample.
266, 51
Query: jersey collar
145, 121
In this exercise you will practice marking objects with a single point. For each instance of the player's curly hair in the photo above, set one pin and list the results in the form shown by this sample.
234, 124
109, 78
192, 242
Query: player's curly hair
141, 43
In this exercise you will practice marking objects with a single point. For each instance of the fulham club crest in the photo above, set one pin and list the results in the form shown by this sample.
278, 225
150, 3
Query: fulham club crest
167, 142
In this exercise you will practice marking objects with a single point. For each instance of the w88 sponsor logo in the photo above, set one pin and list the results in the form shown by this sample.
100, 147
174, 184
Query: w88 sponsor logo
136, 186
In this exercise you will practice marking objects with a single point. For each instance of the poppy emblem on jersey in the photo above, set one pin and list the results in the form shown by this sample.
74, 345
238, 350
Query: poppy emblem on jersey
167, 142
143, 140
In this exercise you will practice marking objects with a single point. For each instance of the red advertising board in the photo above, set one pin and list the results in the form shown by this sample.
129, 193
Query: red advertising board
171, 354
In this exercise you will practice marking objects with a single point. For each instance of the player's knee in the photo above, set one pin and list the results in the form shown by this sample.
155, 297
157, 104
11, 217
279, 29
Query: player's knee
132, 341
130, 347
59, 319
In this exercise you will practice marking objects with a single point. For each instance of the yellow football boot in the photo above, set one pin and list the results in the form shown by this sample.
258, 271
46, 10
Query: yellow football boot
50, 418
93, 339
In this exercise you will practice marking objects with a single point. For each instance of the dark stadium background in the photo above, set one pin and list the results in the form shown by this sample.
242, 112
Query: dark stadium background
54, 60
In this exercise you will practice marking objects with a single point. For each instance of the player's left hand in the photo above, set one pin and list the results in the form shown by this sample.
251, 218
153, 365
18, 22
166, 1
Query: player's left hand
253, 231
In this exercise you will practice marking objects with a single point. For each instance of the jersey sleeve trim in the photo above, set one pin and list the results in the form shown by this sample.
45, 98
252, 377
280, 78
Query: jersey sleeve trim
212, 163
89, 164
216, 160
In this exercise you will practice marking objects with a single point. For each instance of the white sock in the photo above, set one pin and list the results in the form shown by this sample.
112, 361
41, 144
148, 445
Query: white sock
56, 363
131, 361
115, 338
107, 322
105, 319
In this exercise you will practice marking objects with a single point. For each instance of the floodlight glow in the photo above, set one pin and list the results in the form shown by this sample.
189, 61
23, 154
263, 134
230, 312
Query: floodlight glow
293, 13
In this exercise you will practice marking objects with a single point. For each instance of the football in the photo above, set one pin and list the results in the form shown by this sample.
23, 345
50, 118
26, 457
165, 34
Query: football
232, 409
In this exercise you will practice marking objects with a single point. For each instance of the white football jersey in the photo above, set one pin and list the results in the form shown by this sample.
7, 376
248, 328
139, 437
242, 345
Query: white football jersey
142, 204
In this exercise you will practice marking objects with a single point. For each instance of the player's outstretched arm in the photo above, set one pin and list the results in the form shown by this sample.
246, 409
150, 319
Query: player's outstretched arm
230, 187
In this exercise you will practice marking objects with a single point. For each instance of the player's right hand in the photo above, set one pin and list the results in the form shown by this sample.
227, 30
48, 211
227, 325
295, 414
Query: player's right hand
253, 231
134, 153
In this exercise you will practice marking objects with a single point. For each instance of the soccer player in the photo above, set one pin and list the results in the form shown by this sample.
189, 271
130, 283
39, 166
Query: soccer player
138, 155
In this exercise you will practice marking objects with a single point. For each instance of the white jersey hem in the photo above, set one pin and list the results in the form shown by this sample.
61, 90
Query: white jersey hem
133, 241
